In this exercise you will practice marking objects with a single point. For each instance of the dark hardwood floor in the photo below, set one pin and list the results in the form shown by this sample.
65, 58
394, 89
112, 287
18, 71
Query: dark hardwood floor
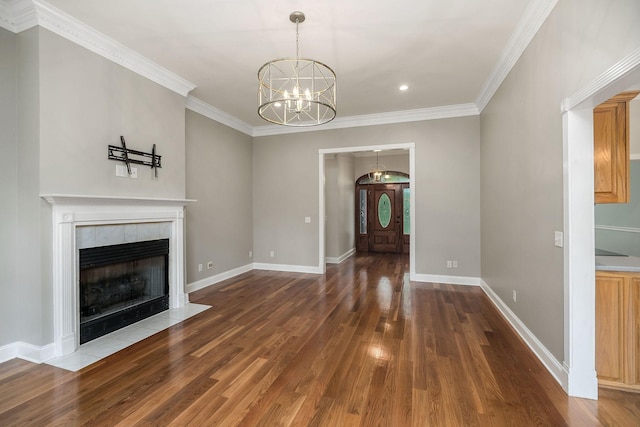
359, 346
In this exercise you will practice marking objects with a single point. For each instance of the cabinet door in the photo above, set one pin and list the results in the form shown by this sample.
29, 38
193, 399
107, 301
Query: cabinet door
610, 151
632, 334
609, 327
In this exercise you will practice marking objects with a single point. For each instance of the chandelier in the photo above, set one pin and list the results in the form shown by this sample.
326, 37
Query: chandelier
296, 91
379, 171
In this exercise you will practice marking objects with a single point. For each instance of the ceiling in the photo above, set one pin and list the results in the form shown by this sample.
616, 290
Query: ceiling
445, 51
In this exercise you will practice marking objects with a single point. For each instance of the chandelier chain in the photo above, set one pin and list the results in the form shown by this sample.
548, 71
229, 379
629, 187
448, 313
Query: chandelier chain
297, 40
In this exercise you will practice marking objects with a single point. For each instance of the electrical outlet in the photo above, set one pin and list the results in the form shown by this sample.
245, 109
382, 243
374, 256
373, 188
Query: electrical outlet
449, 264
134, 173
199, 267
455, 264
514, 295
250, 254
272, 254
209, 265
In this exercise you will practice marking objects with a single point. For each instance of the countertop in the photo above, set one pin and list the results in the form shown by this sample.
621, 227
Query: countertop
618, 263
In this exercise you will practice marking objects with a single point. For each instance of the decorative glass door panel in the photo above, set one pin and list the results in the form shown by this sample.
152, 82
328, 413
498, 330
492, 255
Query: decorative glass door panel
384, 210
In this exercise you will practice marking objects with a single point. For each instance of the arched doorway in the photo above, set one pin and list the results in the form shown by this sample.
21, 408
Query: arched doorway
383, 220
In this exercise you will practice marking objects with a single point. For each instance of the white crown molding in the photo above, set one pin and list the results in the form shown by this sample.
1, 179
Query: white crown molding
446, 112
19, 15
613, 74
533, 18
6, 17
207, 110
450, 111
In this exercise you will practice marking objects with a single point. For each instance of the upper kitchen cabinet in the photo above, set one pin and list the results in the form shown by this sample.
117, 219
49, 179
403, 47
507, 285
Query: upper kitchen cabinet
611, 149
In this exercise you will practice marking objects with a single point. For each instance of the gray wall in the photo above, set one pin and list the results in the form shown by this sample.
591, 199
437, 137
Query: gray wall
346, 210
71, 104
447, 192
339, 204
8, 185
32, 245
219, 176
87, 102
521, 175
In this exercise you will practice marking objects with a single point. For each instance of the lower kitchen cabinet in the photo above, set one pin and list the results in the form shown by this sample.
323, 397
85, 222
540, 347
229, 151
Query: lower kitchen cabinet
618, 329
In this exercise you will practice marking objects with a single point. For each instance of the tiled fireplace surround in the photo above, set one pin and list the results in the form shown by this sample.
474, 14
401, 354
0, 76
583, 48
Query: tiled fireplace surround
89, 221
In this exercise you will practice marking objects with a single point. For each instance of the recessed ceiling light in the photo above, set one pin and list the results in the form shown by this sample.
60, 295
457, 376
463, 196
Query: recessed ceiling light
403, 87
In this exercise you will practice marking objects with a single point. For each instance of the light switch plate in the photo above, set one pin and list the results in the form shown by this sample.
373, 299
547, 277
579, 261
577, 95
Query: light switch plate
121, 170
559, 239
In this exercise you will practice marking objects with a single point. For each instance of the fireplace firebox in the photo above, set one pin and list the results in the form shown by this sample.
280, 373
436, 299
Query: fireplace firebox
122, 284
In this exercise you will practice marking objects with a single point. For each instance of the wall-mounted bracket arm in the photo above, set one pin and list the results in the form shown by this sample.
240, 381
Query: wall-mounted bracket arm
129, 156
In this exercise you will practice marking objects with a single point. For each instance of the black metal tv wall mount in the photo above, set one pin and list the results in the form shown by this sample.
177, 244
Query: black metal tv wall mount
129, 156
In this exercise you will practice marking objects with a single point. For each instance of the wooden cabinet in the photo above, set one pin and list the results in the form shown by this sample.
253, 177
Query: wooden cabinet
611, 149
618, 329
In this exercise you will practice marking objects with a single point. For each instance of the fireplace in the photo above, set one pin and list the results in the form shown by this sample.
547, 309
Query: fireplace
121, 284
80, 222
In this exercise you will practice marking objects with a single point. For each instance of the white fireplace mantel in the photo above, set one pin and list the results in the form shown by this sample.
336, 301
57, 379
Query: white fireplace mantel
72, 211
93, 200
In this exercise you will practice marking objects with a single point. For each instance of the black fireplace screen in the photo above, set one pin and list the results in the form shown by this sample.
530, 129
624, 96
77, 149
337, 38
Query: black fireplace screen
122, 284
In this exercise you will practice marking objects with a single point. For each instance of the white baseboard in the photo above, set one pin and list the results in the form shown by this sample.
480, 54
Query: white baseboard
8, 352
338, 260
452, 280
28, 352
212, 280
555, 368
288, 268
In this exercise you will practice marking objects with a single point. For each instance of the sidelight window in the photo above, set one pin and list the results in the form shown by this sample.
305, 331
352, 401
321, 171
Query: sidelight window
363, 211
406, 211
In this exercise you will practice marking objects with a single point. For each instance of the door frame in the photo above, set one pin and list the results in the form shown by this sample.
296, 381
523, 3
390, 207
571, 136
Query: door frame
579, 223
409, 146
